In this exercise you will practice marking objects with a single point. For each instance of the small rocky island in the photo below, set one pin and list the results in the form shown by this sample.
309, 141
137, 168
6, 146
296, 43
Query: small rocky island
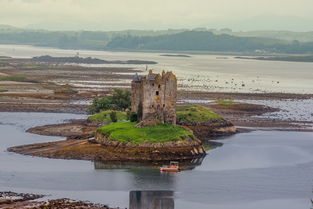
155, 135
152, 129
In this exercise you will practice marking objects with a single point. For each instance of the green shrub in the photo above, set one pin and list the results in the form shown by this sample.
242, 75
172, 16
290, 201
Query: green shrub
133, 117
113, 116
120, 100
104, 116
128, 115
127, 132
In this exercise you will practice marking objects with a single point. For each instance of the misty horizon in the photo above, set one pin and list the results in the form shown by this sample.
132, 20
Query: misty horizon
157, 15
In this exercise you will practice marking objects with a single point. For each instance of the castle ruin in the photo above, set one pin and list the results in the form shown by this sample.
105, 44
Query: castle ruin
154, 95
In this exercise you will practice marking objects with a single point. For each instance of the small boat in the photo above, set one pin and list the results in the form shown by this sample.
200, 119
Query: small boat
173, 167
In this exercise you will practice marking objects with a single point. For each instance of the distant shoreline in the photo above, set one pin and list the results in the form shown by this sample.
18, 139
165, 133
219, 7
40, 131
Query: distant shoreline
293, 58
188, 53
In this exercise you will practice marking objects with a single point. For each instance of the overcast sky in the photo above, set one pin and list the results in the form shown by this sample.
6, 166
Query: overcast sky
294, 15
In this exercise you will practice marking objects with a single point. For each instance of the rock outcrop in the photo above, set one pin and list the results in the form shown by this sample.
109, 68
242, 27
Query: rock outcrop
207, 130
174, 150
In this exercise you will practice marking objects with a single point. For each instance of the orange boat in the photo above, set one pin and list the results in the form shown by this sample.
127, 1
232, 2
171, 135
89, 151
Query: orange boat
173, 167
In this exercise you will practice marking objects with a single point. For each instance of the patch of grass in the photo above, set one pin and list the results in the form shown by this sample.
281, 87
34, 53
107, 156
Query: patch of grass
4, 57
3, 90
14, 78
127, 132
196, 114
104, 116
226, 102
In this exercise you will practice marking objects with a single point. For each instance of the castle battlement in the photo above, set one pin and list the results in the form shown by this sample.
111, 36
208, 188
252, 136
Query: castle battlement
156, 95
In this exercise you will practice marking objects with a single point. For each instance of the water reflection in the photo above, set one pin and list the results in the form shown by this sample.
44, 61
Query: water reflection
134, 166
147, 176
151, 200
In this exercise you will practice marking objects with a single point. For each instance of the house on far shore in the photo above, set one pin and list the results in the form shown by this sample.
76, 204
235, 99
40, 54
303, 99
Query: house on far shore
154, 98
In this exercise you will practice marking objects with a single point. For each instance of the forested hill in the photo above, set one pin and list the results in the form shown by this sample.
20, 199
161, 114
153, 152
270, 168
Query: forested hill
151, 40
207, 41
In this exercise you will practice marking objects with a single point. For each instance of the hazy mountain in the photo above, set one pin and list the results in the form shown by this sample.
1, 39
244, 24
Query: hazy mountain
200, 39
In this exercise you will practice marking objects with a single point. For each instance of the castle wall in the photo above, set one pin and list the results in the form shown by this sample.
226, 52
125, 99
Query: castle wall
153, 100
136, 95
170, 97
158, 96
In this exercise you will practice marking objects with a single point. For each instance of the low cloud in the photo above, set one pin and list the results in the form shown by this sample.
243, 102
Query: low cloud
146, 14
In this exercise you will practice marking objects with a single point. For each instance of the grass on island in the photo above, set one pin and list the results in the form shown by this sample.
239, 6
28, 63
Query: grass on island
3, 90
127, 132
196, 114
104, 116
226, 102
4, 57
14, 78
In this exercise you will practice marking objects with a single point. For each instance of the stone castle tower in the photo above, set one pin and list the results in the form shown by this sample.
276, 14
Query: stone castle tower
156, 95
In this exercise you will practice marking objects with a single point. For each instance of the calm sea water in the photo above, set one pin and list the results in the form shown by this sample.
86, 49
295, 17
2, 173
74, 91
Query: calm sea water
199, 72
261, 169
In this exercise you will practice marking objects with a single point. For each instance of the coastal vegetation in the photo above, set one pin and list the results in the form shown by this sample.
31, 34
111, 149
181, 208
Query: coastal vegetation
127, 132
202, 122
119, 100
3, 90
14, 78
196, 114
104, 116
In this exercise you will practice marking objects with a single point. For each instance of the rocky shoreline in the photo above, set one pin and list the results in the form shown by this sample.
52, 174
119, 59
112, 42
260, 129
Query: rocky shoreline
89, 150
12, 200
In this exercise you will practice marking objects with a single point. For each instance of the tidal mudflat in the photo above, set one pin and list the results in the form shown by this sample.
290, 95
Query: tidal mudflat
199, 72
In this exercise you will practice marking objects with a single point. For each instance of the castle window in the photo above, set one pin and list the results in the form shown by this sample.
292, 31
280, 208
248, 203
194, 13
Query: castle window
163, 105
152, 106
157, 93
159, 86
153, 84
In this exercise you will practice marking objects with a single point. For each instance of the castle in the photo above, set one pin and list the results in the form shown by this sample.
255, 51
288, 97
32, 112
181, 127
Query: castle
154, 98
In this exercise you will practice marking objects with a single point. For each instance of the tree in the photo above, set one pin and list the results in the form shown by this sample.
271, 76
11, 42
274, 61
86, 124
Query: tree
120, 100
113, 116
133, 117
100, 104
